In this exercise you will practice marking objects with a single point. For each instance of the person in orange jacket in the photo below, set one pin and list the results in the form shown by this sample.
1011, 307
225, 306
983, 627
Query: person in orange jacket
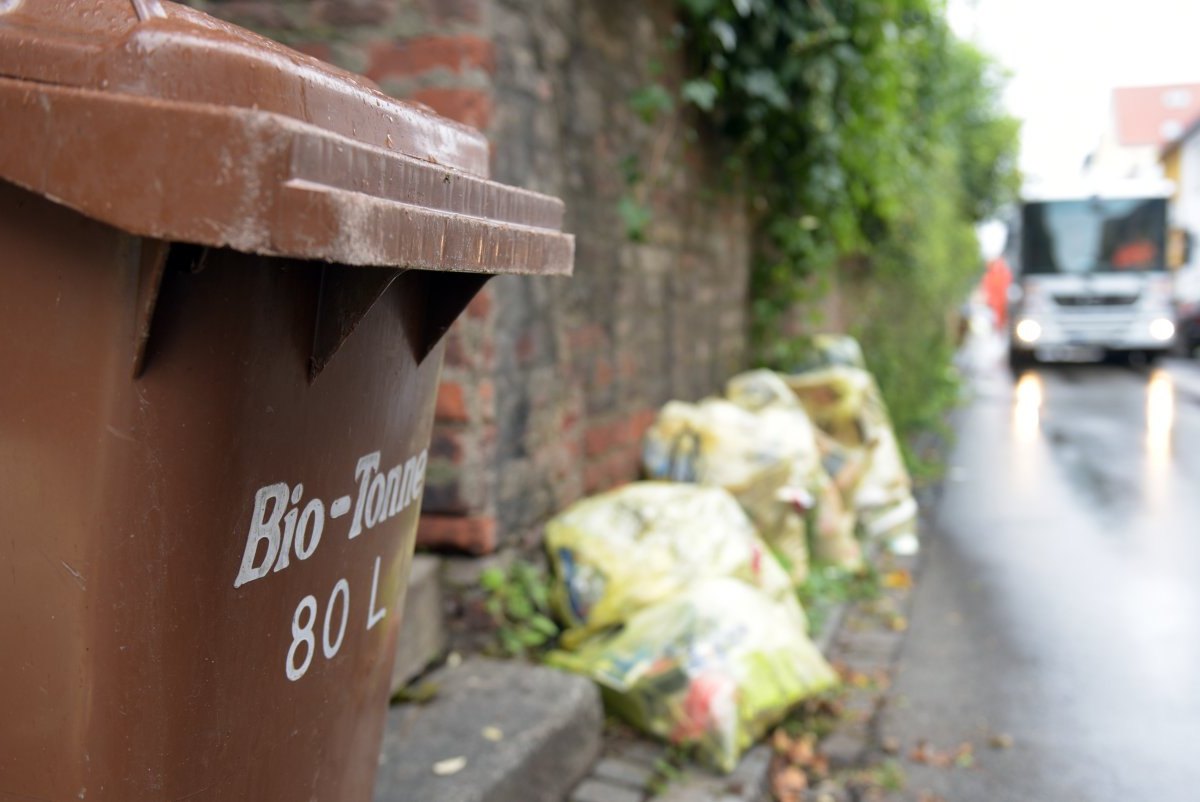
996, 280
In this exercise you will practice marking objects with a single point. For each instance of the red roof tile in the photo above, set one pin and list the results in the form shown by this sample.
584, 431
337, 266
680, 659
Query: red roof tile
1154, 115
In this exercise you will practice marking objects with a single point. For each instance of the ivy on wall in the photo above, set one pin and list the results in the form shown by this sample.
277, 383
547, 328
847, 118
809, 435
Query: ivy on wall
869, 136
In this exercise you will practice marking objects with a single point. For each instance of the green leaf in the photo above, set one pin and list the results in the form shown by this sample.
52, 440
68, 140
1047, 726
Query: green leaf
539, 594
651, 100
544, 625
492, 579
511, 642
724, 32
519, 607
523, 574
700, 93
631, 168
699, 8
634, 216
530, 637
763, 84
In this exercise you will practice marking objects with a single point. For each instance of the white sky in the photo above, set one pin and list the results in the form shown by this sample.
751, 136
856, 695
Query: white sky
1065, 56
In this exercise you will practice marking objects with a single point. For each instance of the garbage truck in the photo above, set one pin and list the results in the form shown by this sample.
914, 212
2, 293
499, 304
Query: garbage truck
1092, 273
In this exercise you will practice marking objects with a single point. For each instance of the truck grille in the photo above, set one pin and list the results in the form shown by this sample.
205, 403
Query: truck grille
1095, 300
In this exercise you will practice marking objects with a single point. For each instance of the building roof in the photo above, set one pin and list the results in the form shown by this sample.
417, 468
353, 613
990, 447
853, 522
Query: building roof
1154, 115
1177, 142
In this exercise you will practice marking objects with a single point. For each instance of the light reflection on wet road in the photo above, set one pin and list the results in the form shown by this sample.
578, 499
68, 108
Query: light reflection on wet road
1059, 600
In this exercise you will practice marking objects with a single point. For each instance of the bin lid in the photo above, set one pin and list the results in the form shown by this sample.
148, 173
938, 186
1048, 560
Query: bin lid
165, 122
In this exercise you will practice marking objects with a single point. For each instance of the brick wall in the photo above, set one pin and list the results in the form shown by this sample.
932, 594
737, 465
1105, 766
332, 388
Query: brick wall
584, 363
550, 383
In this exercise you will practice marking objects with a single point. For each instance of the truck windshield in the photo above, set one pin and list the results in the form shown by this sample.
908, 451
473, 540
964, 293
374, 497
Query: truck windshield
1087, 236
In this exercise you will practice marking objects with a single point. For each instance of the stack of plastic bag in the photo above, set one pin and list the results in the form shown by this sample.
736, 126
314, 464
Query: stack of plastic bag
760, 389
832, 520
713, 667
765, 458
842, 398
832, 350
632, 547
678, 610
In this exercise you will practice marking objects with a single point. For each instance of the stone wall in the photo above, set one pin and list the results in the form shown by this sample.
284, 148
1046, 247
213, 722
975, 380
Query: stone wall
550, 383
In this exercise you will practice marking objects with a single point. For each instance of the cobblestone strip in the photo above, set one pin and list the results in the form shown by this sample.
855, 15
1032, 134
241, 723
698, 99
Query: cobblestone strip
623, 773
865, 649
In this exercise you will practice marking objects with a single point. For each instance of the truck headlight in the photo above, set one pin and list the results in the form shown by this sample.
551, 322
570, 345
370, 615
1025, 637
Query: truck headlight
1162, 329
1028, 331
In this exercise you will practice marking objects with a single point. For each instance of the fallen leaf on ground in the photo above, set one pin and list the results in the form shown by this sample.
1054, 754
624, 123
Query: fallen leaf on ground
789, 784
493, 733
921, 753
1001, 740
803, 750
890, 745
900, 579
453, 765
853, 677
420, 694
963, 756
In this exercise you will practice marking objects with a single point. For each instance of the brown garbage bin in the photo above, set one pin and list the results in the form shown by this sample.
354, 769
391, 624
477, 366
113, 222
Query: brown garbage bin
225, 270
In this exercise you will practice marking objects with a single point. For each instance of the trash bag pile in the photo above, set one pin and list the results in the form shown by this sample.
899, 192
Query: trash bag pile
713, 666
681, 614
678, 594
767, 459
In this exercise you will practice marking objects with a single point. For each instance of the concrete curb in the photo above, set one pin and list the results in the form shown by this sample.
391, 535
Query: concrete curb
497, 731
422, 636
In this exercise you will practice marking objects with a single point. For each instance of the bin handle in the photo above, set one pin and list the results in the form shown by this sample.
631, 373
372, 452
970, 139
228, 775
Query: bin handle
430, 302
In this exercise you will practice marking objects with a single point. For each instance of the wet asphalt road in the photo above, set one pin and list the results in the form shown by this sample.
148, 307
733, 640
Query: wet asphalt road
1059, 596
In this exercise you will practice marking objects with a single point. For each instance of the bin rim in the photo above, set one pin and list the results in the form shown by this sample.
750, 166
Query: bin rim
164, 122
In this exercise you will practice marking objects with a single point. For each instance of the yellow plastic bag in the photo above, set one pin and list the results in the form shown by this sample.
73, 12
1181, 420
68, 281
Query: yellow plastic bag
835, 399
884, 497
846, 404
763, 458
831, 519
624, 550
760, 389
833, 350
713, 667
833, 540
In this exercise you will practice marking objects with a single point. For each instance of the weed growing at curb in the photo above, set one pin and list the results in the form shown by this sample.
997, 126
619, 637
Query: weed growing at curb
518, 600
828, 587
